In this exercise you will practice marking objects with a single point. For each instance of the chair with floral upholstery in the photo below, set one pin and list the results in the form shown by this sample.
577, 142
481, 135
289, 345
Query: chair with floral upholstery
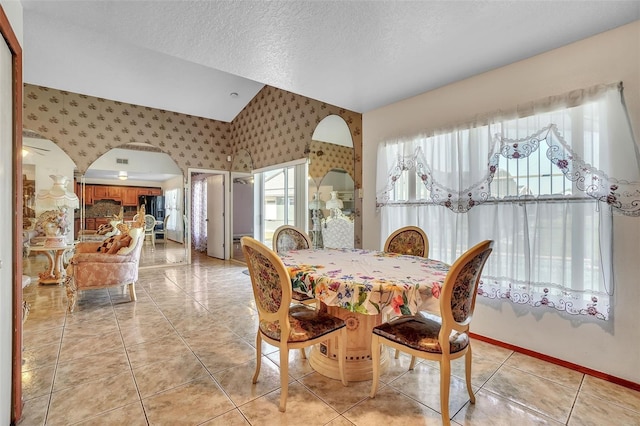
282, 325
287, 237
111, 263
440, 338
408, 240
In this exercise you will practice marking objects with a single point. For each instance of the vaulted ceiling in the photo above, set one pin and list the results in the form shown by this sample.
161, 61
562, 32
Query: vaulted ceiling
209, 58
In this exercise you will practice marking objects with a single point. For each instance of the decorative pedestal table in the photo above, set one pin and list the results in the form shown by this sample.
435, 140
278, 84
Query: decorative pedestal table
54, 273
363, 287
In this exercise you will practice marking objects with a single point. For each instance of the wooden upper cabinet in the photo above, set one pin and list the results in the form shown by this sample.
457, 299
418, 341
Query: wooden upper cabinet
129, 196
100, 192
88, 195
114, 192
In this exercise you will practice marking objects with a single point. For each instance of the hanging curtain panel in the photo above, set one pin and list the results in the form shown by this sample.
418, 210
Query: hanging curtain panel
543, 181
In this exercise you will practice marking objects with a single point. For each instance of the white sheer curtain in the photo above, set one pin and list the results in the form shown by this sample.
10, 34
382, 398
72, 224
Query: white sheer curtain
540, 186
199, 215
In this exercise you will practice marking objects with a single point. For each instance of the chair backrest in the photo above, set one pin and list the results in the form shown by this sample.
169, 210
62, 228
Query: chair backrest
287, 237
458, 294
166, 220
149, 223
270, 281
408, 240
338, 232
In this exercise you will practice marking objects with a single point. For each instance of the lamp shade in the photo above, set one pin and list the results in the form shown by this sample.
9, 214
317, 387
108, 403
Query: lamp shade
57, 196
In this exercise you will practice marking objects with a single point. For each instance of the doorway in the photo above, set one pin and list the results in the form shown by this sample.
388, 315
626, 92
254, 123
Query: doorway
280, 198
206, 221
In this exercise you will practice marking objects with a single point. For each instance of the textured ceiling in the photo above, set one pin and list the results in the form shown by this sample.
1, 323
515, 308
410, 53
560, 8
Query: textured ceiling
188, 56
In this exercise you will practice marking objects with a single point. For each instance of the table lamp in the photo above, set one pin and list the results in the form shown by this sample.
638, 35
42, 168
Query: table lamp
316, 205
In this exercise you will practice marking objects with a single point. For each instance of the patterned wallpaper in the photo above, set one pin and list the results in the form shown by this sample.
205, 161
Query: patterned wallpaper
326, 156
86, 127
275, 127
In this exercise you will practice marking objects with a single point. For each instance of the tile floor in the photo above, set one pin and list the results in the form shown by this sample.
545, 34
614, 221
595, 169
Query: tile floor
183, 355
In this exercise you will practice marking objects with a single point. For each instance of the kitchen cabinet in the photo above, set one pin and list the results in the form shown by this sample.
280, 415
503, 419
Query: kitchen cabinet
127, 195
99, 191
90, 223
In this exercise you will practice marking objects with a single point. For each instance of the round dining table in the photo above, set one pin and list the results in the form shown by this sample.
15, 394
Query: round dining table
364, 288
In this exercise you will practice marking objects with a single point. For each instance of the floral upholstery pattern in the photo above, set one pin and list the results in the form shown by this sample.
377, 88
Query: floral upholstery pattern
464, 287
268, 292
306, 323
421, 332
290, 239
407, 242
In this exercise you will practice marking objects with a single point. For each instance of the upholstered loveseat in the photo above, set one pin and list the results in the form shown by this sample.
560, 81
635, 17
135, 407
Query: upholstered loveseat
110, 263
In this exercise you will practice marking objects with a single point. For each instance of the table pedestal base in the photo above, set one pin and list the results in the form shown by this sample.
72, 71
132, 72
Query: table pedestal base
358, 365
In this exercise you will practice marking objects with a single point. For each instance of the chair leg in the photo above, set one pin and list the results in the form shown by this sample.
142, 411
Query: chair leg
413, 362
284, 377
258, 357
342, 354
375, 361
72, 293
445, 377
397, 355
467, 360
303, 353
132, 292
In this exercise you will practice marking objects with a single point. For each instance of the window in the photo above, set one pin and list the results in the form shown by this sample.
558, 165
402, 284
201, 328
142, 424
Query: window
281, 193
540, 186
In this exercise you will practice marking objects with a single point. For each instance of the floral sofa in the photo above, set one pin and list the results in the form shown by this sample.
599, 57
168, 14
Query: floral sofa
111, 263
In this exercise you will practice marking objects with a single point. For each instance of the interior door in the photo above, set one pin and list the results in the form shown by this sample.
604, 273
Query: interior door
215, 216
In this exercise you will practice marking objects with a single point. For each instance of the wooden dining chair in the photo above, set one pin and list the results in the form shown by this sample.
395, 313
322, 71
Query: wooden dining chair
286, 238
282, 325
408, 240
440, 338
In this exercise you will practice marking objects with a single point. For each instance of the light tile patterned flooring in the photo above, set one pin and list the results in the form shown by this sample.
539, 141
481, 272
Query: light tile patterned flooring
183, 354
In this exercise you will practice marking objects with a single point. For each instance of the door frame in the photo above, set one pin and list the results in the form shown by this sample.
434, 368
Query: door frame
228, 213
16, 97
232, 196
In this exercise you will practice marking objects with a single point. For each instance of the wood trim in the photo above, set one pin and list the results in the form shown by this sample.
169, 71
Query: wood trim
585, 370
16, 375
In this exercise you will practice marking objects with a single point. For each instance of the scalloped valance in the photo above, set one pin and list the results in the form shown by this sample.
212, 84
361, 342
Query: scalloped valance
606, 169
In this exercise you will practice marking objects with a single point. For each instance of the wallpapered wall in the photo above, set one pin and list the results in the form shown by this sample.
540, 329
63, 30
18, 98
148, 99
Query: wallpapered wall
86, 127
326, 156
275, 127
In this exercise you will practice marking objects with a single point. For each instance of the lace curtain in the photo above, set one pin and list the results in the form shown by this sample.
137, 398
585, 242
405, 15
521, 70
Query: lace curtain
541, 181
199, 214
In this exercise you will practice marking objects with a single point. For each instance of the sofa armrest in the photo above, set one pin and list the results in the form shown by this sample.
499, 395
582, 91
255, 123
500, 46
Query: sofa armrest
88, 247
99, 258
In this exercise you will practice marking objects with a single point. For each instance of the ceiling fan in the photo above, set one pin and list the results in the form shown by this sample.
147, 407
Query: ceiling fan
26, 149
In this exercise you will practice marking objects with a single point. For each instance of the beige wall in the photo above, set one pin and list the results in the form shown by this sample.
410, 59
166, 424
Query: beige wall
612, 347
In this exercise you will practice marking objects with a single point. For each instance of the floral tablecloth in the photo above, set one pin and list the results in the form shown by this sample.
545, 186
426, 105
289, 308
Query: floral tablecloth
365, 281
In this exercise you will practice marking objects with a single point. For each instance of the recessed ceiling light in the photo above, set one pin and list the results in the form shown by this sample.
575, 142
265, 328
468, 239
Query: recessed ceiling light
122, 175
233, 94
